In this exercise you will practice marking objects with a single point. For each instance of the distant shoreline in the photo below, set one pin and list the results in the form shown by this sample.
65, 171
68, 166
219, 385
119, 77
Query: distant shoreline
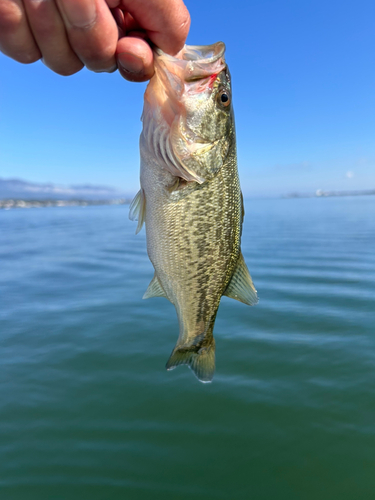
320, 193
10, 203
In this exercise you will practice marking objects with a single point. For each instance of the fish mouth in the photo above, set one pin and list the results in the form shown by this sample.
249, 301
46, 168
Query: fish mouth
197, 53
194, 62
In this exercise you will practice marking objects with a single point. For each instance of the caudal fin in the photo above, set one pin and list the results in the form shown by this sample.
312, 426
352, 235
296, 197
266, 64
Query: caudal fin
199, 357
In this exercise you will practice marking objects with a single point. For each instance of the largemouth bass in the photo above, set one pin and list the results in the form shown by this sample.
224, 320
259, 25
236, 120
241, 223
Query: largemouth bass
190, 198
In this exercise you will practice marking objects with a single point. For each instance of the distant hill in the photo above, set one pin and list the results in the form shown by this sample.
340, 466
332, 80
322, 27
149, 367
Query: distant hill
20, 189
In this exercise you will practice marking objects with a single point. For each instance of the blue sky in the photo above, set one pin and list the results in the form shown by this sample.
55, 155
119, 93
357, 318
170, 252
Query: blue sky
304, 97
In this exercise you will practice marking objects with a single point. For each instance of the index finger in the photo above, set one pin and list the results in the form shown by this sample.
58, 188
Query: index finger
166, 22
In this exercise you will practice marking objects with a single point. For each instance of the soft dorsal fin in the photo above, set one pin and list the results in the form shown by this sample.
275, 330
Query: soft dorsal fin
154, 289
137, 209
241, 285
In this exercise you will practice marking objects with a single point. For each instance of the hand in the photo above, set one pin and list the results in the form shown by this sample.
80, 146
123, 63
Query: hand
100, 34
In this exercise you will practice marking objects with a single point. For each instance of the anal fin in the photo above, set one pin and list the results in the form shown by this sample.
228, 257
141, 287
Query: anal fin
137, 209
154, 289
241, 285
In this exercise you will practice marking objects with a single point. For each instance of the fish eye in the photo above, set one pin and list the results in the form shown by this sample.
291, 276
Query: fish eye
223, 98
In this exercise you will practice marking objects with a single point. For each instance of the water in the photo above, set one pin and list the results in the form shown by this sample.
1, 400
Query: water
87, 410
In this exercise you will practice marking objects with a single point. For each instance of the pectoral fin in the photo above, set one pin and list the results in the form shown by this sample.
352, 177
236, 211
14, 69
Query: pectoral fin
241, 285
137, 210
154, 289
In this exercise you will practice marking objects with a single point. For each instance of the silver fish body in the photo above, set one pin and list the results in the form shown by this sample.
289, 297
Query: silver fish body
190, 198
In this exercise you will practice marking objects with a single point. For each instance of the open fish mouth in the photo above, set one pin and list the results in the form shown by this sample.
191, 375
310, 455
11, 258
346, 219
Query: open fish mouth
209, 53
194, 61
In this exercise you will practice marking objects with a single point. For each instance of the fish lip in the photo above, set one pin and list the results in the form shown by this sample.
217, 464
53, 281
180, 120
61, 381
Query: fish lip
193, 62
217, 49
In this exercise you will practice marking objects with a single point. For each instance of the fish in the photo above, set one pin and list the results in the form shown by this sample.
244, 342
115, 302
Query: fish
190, 199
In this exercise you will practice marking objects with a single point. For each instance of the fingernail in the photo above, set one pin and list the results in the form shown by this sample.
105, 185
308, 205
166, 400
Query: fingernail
130, 63
112, 69
80, 14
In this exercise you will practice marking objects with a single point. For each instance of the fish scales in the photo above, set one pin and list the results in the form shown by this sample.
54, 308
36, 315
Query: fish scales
190, 198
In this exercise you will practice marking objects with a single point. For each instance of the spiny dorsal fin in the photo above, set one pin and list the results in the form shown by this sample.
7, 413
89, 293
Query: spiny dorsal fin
137, 209
154, 289
241, 285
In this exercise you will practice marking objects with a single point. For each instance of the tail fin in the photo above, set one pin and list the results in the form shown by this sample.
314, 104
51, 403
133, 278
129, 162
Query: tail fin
199, 357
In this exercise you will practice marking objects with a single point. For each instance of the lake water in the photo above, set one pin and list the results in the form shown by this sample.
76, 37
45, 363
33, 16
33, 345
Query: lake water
88, 411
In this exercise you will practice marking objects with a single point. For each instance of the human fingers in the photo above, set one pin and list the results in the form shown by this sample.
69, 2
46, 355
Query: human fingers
135, 58
92, 32
50, 35
88, 33
65, 39
166, 22
16, 38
